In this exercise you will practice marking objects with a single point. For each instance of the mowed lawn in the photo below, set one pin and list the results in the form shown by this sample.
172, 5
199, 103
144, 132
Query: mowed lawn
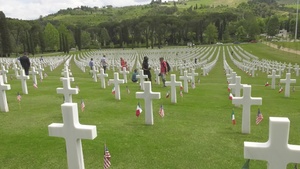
196, 132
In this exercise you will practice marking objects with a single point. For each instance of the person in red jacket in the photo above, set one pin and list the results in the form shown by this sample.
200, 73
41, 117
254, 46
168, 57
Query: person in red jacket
163, 70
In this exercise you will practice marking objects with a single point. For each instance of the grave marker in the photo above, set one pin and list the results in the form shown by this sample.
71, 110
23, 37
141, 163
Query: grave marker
3, 99
287, 82
173, 83
116, 81
23, 79
273, 76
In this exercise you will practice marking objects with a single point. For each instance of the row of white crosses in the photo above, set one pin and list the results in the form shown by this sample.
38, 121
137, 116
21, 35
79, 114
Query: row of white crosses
71, 130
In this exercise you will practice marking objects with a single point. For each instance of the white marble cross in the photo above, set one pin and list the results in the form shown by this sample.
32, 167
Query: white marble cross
246, 101
34, 73
296, 69
102, 76
148, 96
142, 77
237, 86
23, 79
72, 131
273, 76
40, 70
3, 99
157, 77
287, 82
94, 71
232, 80
116, 81
173, 83
289, 67
67, 91
185, 79
124, 72
276, 151
193, 74
3, 73
16, 69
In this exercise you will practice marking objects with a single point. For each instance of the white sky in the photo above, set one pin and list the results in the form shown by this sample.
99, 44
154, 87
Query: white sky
32, 9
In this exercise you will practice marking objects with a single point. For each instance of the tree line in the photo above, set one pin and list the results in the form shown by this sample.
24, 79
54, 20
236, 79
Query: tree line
161, 26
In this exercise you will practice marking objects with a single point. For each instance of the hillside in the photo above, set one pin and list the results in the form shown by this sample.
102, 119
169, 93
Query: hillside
94, 16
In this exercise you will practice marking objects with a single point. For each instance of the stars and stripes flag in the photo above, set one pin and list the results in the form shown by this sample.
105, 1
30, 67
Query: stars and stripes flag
19, 97
181, 93
35, 85
127, 89
82, 105
228, 89
259, 117
267, 84
113, 91
280, 89
106, 159
233, 118
168, 94
161, 111
138, 110
230, 96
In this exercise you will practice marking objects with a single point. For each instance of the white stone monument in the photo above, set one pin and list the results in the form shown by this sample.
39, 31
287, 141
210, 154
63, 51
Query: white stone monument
40, 70
185, 79
34, 73
23, 79
276, 151
193, 74
287, 82
148, 96
125, 73
273, 76
3, 99
4, 73
237, 86
173, 83
142, 77
116, 81
67, 91
102, 77
246, 101
72, 131
94, 72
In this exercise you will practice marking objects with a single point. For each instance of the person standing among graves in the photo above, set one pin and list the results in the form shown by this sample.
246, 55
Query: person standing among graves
146, 68
104, 63
133, 78
25, 62
91, 63
163, 70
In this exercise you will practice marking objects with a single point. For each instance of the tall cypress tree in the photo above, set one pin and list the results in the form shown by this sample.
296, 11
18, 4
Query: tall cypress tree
5, 40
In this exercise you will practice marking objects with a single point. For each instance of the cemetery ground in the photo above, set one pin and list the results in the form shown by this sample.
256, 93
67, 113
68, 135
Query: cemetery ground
196, 132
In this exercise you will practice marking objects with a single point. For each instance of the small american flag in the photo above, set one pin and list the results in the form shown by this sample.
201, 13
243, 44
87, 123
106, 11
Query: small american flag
161, 111
107, 156
127, 89
82, 105
45, 75
193, 85
181, 93
35, 85
19, 97
280, 90
259, 117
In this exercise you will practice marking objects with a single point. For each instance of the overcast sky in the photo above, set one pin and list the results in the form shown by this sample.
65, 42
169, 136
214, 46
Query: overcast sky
33, 9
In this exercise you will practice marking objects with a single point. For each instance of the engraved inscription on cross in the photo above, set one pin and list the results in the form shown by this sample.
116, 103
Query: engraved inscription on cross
276, 151
246, 101
72, 131
148, 96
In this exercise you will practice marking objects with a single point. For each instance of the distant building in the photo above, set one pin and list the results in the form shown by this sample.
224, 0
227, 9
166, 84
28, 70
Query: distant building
283, 33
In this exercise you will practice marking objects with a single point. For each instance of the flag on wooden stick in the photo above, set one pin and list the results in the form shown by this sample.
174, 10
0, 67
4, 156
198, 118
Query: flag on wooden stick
82, 105
107, 157
259, 117
19, 97
161, 111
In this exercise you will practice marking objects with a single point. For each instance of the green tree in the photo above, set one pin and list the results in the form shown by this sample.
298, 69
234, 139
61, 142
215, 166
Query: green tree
272, 26
51, 36
211, 33
5, 36
104, 36
85, 39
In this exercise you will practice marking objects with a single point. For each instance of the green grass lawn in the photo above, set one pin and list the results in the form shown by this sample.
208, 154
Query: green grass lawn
196, 132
